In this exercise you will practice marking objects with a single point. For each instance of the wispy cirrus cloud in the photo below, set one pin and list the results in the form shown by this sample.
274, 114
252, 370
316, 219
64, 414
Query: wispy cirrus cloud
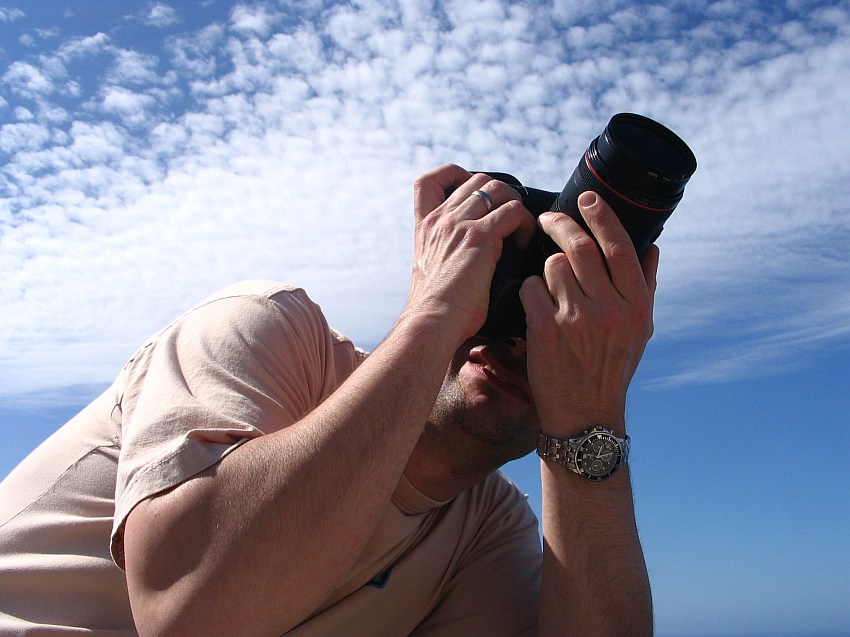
10, 15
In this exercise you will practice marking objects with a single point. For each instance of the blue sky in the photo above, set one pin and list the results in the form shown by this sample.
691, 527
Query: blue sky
153, 152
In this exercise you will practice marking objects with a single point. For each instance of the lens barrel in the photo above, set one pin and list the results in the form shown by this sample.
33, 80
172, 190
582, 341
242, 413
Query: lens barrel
640, 168
637, 165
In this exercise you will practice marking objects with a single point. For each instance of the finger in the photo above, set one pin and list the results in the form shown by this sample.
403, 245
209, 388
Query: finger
649, 266
525, 233
510, 219
429, 189
581, 259
468, 205
616, 245
481, 195
537, 302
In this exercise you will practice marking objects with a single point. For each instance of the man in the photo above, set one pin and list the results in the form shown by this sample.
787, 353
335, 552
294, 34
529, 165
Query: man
251, 473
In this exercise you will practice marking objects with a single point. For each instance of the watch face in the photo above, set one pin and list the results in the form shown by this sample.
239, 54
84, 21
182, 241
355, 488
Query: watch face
598, 456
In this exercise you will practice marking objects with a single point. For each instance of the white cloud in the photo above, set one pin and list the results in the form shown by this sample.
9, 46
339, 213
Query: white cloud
130, 106
161, 15
195, 54
83, 47
48, 112
252, 19
135, 68
27, 80
19, 137
97, 144
23, 114
10, 15
297, 132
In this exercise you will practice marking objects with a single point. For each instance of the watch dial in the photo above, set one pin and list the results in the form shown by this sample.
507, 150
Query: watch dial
598, 456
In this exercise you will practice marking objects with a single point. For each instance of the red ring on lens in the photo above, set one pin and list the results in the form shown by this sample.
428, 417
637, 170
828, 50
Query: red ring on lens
620, 195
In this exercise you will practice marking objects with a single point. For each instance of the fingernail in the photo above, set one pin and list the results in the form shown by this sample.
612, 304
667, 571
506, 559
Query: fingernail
587, 199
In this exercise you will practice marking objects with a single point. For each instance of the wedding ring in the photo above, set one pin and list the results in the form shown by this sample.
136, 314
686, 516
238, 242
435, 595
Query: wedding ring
483, 196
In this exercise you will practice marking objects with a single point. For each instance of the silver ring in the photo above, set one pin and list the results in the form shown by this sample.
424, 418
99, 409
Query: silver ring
483, 196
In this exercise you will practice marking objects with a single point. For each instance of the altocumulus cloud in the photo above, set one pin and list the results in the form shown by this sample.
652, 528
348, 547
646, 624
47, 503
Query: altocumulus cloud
142, 171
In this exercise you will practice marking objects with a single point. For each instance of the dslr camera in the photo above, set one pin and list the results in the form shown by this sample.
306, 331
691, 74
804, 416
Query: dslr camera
637, 165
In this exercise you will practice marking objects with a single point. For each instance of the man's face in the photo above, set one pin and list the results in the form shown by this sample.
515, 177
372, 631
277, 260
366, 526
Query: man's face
485, 403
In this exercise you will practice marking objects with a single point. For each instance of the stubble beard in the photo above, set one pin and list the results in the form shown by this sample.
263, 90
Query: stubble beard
477, 437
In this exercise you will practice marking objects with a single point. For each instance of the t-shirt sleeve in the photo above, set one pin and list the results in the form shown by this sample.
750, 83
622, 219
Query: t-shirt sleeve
495, 590
232, 369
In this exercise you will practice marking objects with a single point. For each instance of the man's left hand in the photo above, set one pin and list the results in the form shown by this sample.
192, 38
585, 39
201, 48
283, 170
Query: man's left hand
588, 320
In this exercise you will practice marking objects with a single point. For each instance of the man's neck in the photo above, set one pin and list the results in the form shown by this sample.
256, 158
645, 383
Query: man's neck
437, 476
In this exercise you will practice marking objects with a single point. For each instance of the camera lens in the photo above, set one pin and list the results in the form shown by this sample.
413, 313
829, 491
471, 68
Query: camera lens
640, 168
648, 158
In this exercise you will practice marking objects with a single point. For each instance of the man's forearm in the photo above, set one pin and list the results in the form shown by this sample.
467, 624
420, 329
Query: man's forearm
256, 543
594, 575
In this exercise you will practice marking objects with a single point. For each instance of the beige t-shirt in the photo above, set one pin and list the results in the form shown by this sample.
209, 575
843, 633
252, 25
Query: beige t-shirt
246, 362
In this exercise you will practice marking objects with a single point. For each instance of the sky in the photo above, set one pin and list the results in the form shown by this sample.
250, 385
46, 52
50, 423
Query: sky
151, 153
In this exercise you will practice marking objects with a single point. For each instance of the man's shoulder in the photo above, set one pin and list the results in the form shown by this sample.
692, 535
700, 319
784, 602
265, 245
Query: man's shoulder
254, 289
259, 304
499, 483
269, 320
497, 497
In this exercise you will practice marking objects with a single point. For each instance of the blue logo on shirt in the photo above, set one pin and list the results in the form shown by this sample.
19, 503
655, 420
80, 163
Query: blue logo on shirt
380, 581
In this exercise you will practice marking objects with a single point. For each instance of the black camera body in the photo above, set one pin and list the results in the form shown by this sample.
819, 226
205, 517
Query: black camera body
636, 165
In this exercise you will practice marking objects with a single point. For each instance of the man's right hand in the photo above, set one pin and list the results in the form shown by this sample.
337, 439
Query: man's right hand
457, 244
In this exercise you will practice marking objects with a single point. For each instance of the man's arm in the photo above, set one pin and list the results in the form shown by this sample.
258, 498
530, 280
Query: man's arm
253, 545
589, 319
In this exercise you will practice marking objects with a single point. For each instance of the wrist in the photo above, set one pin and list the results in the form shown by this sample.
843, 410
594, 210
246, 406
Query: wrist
573, 423
433, 326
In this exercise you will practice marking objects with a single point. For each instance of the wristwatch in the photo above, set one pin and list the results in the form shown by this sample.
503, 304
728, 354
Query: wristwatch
595, 455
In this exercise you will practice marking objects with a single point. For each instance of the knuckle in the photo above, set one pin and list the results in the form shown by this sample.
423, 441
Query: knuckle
513, 207
620, 251
643, 316
556, 264
545, 327
421, 186
479, 180
581, 244
503, 191
596, 215
581, 321
477, 236
559, 221
428, 223
611, 316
